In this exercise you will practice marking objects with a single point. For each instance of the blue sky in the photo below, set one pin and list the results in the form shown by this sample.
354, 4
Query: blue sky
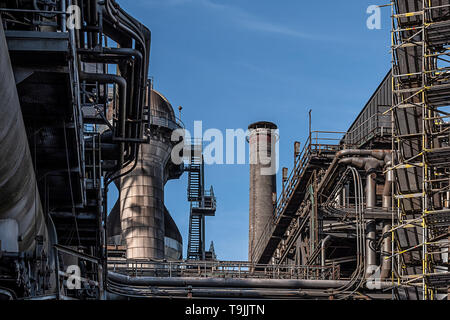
233, 62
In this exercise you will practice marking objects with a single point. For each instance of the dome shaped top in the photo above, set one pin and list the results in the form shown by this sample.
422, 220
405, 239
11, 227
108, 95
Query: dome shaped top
161, 106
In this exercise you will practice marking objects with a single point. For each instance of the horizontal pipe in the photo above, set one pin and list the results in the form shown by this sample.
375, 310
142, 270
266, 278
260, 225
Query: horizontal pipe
384, 155
230, 293
226, 282
366, 163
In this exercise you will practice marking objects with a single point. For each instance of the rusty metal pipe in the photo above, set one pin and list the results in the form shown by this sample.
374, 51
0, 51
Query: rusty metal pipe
225, 282
122, 84
386, 251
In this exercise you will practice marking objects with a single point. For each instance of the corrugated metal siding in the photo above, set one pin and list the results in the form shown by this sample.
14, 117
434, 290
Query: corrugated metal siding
371, 122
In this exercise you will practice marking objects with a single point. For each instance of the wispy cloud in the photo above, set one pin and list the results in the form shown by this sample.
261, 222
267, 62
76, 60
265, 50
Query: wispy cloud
238, 17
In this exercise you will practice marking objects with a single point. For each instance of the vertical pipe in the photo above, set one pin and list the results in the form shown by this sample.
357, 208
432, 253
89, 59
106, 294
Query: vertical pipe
386, 265
386, 252
387, 191
297, 151
371, 190
58, 288
203, 238
285, 179
63, 16
371, 258
345, 195
323, 247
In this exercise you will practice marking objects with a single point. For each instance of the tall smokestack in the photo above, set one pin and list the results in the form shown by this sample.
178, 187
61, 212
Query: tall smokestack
263, 192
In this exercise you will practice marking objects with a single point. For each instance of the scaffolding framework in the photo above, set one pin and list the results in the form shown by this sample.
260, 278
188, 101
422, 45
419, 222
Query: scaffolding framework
421, 151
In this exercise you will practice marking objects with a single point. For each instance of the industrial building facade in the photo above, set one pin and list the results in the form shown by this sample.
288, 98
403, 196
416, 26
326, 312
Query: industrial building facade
363, 214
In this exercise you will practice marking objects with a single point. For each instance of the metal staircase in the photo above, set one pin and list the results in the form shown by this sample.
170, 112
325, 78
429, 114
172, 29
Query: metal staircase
93, 177
203, 203
195, 182
196, 235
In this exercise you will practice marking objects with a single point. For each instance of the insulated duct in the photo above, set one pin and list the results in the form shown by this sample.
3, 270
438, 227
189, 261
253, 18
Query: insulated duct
225, 282
20, 204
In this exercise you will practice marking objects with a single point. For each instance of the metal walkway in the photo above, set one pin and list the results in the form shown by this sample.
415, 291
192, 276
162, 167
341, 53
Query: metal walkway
319, 150
217, 269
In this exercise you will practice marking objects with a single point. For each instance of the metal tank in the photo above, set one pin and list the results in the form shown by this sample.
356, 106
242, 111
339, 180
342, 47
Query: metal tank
142, 191
263, 192
173, 241
21, 217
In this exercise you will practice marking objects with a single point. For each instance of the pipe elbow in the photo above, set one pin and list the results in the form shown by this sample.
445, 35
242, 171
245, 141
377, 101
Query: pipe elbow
103, 78
326, 240
356, 162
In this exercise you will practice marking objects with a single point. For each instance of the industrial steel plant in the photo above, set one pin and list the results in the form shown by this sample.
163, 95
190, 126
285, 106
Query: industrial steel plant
362, 215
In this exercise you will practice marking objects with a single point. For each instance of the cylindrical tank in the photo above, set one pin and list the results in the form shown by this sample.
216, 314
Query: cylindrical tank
262, 139
20, 205
173, 242
142, 191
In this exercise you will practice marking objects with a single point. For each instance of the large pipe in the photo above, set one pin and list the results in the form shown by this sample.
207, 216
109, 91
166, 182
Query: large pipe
385, 252
369, 164
366, 163
225, 282
375, 159
142, 36
384, 155
387, 191
20, 203
216, 293
371, 190
262, 180
371, 252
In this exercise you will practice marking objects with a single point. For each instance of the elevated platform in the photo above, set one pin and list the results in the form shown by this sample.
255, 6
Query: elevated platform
318, 152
